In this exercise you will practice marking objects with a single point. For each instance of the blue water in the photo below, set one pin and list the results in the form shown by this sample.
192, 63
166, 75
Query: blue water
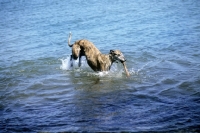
40, 92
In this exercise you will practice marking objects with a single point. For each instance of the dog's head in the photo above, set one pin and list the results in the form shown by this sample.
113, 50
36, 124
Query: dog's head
117, 56
76, 50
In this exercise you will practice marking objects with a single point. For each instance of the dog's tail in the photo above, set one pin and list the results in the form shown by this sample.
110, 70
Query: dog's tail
70, 36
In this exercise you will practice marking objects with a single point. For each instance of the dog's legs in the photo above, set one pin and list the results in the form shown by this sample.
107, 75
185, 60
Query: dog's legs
79, 63
71, 60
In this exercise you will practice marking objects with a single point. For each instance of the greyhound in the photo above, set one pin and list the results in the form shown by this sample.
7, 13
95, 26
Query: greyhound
95, 59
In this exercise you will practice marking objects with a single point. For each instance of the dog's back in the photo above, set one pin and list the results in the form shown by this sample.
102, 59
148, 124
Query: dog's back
88, 46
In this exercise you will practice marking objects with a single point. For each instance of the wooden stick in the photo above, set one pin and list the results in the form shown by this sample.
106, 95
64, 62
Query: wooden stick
126, 70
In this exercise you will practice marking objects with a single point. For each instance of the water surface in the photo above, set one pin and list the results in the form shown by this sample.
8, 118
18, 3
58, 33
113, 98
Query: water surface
39, 91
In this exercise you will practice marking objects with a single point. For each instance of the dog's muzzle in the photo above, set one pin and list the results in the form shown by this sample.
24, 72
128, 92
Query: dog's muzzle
122, 61
75, 57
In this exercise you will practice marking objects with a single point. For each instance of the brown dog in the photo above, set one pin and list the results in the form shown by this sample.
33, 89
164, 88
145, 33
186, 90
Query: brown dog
95, 59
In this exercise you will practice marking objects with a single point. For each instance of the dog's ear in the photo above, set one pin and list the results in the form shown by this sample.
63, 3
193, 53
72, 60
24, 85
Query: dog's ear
111, 51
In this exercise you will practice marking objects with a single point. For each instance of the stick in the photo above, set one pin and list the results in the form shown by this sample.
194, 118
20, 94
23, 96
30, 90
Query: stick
126, 70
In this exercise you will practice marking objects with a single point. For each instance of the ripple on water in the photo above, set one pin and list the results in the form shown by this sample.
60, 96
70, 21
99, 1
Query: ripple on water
40, 93
170, 81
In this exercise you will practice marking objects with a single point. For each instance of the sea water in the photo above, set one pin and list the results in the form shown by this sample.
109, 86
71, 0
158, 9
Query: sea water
41, 92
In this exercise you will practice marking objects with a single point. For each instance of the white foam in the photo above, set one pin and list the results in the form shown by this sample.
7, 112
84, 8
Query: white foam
66, 65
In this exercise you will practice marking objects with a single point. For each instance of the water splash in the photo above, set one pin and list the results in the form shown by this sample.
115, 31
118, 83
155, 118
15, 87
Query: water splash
65, 64
142, 68
71, 65
116, 69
